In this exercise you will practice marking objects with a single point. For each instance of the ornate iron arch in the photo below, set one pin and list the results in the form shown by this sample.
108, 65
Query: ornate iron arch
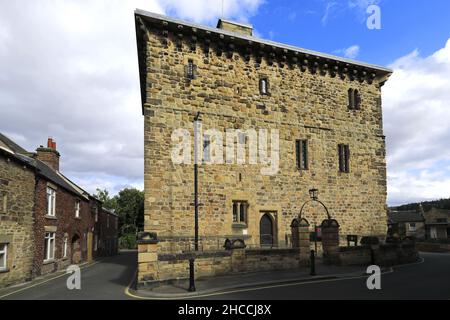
315, 200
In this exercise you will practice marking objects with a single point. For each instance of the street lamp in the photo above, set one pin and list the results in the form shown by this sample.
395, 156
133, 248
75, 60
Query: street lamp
314, 194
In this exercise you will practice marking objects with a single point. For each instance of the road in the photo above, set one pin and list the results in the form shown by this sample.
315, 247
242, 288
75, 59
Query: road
429, 280
106, 280
109, 278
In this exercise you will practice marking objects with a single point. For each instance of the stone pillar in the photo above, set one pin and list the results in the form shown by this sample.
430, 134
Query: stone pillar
304, 242
238, 256
147, 258
330, 242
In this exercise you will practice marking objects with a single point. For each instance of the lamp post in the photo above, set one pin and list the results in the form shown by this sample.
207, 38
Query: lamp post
197, 119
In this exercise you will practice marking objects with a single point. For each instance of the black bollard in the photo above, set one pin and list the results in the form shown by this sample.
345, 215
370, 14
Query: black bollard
191, 275
313, 263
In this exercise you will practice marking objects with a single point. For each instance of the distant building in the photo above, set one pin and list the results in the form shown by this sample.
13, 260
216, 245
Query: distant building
437, 223
406, 224
106, 239
47, 221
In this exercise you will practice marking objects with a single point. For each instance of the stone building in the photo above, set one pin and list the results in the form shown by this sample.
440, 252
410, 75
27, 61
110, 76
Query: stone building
402, 224
325, 110
16, 215
437, 223
47, 222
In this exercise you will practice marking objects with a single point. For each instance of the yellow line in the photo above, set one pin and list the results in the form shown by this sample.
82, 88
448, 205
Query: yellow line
127, 291
45, 281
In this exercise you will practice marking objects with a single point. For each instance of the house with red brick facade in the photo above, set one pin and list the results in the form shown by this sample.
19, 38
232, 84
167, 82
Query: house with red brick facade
68, 225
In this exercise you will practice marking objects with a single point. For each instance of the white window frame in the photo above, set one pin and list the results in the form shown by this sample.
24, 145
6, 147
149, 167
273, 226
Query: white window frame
49, 246
51, 202
77, 208
65, 247
4, 252
412, 226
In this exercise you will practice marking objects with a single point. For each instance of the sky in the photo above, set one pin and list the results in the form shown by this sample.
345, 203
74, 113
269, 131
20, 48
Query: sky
68, 69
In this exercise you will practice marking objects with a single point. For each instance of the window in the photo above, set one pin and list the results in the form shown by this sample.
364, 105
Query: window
301, 152
3, 256
354, 99
264, 86
412, 226
3, 202
107, 221
344, 158
49, 250
240, 209
51, 202
190, 70
65, 247
441, 220
96, 214
77, 208
116, 223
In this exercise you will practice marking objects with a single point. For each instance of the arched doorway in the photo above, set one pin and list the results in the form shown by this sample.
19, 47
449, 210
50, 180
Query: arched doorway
266, 230
76, 249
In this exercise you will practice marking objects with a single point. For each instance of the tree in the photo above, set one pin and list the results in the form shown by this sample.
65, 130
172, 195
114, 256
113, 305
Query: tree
109, 202
130, 209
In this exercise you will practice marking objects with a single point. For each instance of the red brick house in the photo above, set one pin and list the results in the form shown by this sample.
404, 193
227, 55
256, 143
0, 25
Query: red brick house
69, 224
106, 235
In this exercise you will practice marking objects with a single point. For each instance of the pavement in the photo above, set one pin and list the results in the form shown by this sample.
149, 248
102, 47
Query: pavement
111, 279
219, 284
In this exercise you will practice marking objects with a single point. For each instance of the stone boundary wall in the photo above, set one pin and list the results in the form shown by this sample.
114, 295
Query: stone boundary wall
384, 255
156, 268
433, 247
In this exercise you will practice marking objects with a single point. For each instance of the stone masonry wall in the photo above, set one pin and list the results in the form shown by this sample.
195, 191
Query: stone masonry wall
301, 105
16, 222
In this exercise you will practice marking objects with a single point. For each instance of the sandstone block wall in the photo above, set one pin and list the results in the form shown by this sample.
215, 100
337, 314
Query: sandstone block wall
16, 220
301, 105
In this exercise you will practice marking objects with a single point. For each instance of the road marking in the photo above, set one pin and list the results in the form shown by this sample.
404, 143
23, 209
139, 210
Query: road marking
127, 290
45, 281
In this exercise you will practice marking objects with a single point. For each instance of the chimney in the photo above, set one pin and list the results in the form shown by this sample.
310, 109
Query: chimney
49, 155
237, 27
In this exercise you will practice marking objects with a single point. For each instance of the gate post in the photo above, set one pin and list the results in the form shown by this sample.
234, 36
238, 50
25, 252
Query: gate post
330, 241
147, 257
304, 242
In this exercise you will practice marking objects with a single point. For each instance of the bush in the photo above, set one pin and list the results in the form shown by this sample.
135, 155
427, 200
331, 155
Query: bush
128, 241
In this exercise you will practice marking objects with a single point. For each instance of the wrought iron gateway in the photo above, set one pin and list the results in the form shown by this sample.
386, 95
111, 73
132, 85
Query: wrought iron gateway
266, 231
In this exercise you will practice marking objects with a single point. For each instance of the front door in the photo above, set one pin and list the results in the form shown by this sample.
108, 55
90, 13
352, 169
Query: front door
266, 230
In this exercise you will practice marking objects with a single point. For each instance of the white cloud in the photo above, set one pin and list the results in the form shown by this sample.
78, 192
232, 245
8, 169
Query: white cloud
351, 52
69, 70
416, 112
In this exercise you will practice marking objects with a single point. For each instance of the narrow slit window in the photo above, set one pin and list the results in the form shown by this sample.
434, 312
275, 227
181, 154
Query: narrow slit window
344, 158
264, 86
301, 151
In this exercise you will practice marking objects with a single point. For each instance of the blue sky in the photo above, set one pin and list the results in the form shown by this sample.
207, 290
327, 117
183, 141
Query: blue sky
75, 78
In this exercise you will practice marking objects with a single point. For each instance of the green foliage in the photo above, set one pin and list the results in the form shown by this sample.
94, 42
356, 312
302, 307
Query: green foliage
438, 204
128, 204
128, 241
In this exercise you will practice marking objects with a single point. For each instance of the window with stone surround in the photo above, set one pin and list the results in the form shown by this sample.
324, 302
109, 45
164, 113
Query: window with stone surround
240, 210
3, 202
207, 149
344, 158
3, 256
77, 208
301, 154
354, 99
51, 202
49, 246
190, 70
264, 85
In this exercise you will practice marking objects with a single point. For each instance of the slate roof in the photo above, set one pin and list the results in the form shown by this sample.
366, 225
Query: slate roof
20, 154
405, 216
